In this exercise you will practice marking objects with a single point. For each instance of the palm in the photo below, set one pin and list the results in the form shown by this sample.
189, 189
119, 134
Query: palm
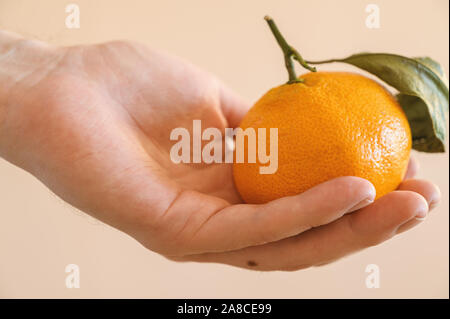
212, 179
194, 95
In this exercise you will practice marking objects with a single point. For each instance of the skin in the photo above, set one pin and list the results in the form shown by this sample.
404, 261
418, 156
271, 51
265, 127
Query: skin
93, 124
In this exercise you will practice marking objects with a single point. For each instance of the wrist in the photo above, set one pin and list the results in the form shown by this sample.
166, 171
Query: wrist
22, 64
7, 44
20, 58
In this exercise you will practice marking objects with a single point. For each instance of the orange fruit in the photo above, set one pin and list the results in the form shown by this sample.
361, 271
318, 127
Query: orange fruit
333, 124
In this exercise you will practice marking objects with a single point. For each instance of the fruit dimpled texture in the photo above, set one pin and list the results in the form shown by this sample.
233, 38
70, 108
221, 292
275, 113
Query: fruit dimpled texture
333, 124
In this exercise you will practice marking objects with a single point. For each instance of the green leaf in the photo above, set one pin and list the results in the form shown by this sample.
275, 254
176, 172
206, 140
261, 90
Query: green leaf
425, 139
423, 93
418, 117
435, 66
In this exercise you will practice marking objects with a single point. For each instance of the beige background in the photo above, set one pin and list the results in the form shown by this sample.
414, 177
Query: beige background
40, 234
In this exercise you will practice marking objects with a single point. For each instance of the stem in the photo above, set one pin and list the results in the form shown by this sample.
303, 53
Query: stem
289, 53
324, 61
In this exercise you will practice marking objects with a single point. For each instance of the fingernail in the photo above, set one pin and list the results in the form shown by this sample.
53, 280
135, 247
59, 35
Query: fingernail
433, 204
361, 204
421, 215
434, 200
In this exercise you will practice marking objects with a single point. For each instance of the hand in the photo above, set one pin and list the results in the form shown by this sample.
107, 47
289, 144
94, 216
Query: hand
93, 124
